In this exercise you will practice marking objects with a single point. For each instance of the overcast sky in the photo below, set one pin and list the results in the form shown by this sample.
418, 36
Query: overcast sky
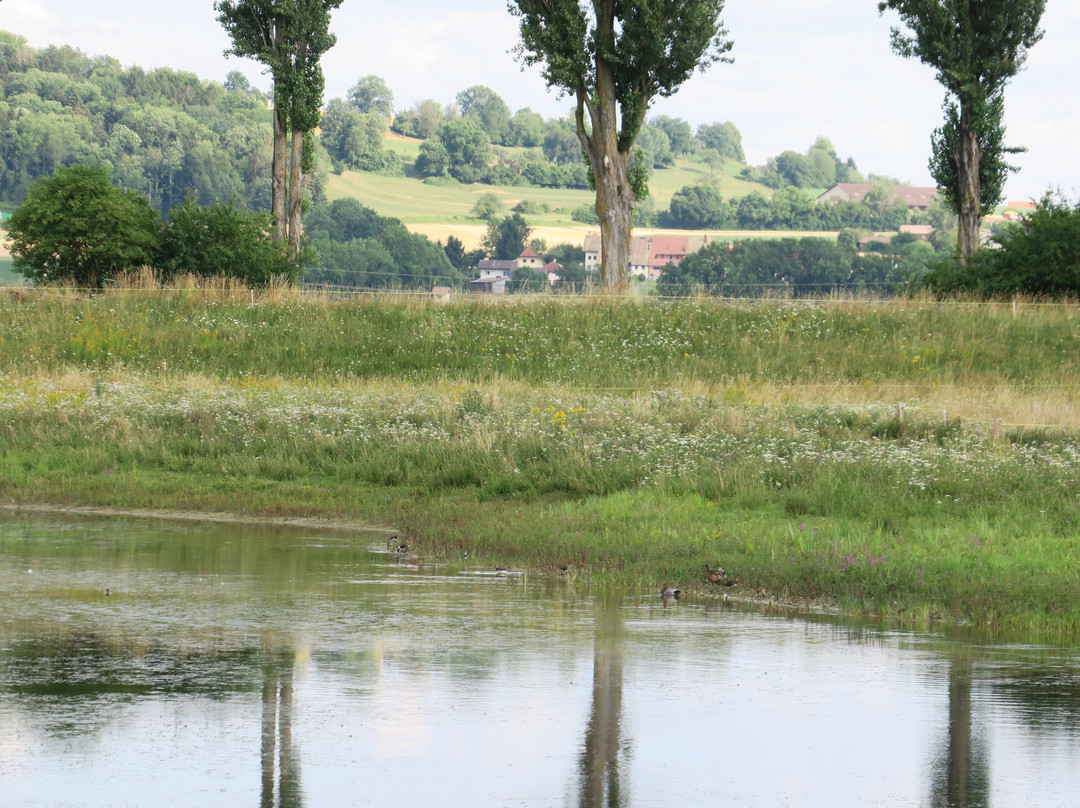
803, 68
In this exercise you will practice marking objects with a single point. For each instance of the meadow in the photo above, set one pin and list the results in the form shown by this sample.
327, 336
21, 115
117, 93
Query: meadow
444, 207
622, 442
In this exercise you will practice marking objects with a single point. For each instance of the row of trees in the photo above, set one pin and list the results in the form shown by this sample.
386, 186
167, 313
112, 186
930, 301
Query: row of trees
820, 167
615, 59
701, 207
77, 227
355, 247
794, 268
463, 140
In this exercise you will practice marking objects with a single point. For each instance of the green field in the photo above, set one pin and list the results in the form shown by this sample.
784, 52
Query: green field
630, 442
413, 201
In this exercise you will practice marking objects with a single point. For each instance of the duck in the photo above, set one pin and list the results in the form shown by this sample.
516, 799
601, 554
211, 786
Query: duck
501, 568
730, 581
714, 575
668, 591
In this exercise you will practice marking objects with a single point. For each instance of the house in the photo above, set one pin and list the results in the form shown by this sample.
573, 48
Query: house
592, 251
491, 269
648, 254
915, 197
552, 269
1014, 210
640, 247
441, 293
530, 259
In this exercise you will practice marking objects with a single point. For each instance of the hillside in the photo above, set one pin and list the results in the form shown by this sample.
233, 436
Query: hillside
439, 210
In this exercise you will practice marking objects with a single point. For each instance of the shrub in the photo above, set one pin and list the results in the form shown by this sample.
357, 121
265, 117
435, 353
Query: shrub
221, 240
1038, 256
77, 226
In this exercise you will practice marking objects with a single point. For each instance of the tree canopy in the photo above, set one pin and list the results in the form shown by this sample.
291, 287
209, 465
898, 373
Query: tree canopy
975, 48
371, 94
614, 59
77, 226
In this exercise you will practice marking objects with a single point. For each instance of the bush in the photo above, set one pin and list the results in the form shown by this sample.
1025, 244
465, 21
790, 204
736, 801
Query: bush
487, 206
76, 226
1038, 256
531, 207
221, 240
584, 213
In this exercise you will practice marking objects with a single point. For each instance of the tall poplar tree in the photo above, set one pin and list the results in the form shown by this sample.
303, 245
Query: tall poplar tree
614, 58
289, 37
975, 46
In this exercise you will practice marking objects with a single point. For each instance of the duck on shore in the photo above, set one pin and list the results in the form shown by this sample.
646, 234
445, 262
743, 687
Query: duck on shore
714, 575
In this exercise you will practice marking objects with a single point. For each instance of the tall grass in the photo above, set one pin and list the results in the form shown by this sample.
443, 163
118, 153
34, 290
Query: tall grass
967, 360
635, 441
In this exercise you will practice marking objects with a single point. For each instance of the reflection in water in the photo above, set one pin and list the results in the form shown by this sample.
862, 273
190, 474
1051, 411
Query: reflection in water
600, 783
277, 716
960, 776
183, 686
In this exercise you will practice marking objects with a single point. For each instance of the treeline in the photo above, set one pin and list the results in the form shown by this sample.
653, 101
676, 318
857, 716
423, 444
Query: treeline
702, 207
819, 167
355, 247
801, 267
164, 133
470, 139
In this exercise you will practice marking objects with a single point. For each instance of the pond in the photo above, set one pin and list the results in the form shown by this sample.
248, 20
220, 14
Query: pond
150, 662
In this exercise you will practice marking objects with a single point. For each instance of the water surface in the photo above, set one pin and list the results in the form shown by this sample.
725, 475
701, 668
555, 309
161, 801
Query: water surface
147, 662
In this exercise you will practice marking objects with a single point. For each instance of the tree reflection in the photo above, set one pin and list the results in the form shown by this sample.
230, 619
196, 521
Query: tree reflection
961, 775
277, 743
600, 782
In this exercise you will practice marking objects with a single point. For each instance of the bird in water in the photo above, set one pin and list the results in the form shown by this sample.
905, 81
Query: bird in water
714, 575
668, 591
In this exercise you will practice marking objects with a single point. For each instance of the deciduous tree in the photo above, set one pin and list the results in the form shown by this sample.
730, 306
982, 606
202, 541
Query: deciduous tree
76, 226
614, 58
289, 37
975, 46
371, 94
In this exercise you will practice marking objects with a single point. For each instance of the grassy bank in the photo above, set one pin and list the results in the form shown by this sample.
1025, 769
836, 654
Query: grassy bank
630, 442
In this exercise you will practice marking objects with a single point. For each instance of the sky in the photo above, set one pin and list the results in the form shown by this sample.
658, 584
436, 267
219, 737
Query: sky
802, 69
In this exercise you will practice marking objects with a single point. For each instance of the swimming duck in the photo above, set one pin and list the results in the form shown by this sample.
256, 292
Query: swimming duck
714, 575
668, 591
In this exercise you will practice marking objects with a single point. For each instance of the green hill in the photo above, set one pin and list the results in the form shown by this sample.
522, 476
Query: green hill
414, 201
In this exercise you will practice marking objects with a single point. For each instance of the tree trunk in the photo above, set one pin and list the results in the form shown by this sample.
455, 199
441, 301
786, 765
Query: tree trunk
614, 207
967, 171
296, 192
611, 169
277, 178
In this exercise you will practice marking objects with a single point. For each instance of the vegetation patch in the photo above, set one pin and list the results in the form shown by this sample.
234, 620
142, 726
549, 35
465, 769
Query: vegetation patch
632, 451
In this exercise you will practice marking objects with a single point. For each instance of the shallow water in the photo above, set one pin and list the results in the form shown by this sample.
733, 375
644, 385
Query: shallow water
146, 663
